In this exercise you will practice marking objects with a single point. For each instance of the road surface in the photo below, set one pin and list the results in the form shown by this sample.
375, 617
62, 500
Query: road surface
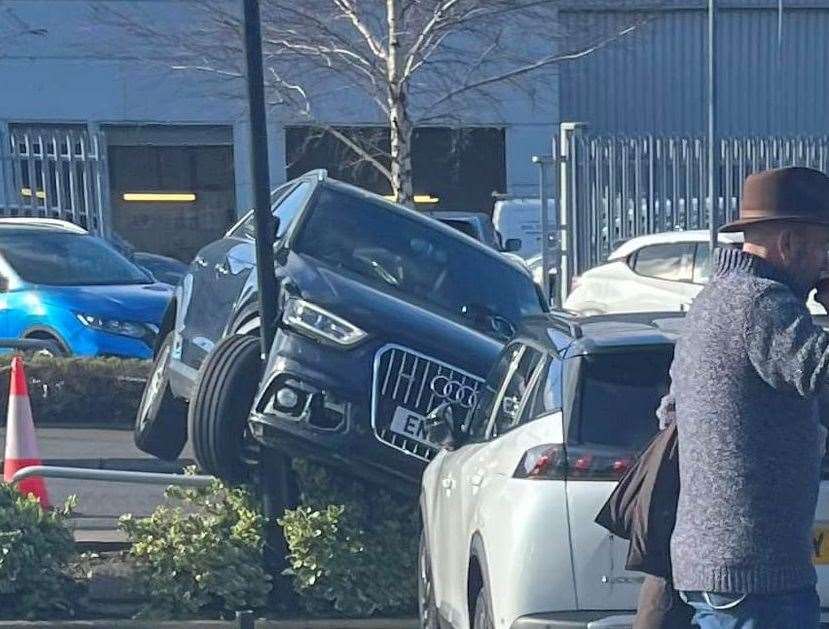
99, 504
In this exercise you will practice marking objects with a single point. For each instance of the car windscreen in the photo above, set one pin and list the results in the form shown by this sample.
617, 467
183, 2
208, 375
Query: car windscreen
620, 393
65, 259
409, 258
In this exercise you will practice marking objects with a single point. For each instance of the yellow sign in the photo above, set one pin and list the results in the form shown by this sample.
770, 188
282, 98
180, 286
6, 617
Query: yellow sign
820, 544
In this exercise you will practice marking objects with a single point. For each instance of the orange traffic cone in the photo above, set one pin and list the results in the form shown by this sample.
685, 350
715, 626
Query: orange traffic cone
21, 445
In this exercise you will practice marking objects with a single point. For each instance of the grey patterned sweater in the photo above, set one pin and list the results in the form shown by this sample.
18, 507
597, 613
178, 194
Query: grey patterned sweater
746, 374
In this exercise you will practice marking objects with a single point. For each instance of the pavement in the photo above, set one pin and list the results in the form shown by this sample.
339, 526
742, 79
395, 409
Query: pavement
100, 504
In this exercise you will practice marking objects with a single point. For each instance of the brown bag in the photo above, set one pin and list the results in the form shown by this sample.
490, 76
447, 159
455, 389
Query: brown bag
642, 508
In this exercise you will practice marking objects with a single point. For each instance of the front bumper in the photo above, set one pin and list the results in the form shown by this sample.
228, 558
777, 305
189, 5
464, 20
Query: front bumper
577, 620
331, 422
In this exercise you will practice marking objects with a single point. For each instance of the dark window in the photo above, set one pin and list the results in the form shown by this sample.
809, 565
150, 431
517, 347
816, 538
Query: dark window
547, 394
461, 167
464, 227
59, 259
619, 397
670, 261
173, 228
509, 412
286, 210
490, 390
402, 254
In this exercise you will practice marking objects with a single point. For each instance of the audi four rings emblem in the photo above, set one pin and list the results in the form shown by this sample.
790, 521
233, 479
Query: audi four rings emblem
454, 391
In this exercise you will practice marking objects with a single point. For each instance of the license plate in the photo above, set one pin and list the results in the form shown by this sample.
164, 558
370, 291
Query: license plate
412, 425
820, 544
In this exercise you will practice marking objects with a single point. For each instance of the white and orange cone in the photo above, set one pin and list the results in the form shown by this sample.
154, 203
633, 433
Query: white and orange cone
21, 445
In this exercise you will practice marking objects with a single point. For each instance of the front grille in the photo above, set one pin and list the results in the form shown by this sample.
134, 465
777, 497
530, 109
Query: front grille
402, 379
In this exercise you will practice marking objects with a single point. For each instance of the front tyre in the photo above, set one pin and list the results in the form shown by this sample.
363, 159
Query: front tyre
161, 422
221, 403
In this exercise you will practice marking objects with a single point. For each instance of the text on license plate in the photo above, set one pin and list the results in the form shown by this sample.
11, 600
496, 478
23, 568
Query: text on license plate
820, 544
411, 425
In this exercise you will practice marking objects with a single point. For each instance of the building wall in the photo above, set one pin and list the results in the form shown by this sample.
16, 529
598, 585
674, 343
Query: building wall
67, 65
655, 81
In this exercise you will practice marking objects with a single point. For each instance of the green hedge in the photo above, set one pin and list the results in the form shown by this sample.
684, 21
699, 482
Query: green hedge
36, 547
352, 547
67, 390
202, 557
352, 550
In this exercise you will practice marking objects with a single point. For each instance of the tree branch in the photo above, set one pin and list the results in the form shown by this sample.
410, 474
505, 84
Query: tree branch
536, 65
357, 149
375, 46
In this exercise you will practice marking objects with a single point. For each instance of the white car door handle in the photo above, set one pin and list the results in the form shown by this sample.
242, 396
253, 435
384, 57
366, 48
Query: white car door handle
447, 483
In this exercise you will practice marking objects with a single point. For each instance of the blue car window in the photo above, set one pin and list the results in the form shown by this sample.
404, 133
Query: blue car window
63, 259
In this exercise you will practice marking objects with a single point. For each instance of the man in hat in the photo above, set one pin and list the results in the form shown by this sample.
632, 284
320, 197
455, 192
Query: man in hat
746, 375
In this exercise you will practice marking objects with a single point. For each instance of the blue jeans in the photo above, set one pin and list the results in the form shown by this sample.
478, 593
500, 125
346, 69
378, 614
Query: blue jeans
792, 610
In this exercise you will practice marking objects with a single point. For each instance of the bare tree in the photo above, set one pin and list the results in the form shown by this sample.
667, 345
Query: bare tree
410, 62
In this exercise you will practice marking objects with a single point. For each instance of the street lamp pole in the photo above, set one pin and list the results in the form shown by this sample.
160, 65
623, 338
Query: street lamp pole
266, 223
712, 128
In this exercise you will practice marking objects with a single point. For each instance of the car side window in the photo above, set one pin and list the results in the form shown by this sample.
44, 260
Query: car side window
547, 395
490, 391
702, 263
285, 210
510, 404
669, 261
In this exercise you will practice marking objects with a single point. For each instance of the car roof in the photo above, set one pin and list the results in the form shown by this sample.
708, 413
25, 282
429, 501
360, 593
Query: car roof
45, 224
688, 235
560, 330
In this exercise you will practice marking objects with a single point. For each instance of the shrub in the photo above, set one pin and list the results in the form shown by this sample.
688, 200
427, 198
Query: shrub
204, 556
80, 389
36, 547
352, 551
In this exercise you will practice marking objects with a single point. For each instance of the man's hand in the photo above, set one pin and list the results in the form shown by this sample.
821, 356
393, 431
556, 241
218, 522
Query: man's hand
822, 293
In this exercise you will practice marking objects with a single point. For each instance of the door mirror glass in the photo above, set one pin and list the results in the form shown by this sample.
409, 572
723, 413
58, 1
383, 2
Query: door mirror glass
440, 427
512, 245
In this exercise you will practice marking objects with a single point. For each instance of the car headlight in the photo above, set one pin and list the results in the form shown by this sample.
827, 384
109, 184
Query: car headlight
318, 323
115, 326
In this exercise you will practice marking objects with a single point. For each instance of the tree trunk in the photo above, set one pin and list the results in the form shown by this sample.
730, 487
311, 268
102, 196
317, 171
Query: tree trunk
400, 125
401, 153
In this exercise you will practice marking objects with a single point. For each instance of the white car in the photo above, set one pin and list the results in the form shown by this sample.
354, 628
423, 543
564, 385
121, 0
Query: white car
508, 504
659, 272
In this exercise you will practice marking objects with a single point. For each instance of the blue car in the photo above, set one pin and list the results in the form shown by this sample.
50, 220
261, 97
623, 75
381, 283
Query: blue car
61, 284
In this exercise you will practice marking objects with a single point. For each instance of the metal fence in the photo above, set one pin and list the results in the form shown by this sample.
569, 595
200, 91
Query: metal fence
619, 187
54, 172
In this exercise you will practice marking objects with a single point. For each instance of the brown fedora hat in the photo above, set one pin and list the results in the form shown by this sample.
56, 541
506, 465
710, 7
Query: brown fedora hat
792, 194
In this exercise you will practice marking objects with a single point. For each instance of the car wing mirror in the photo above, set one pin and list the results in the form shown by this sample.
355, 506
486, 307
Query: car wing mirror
440, 427
4, 284
512, 245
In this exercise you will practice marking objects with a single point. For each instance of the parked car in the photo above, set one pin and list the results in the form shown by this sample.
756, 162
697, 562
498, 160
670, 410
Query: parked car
163, 268
656, 272
508, 503
383, 313
59, 283
479, 226
520, 218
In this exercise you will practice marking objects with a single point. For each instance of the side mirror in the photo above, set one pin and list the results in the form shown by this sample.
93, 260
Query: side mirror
4, 284
440, 427
512, 245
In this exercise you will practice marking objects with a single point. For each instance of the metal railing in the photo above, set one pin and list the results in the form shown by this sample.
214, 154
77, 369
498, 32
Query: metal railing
112, 476
617, 187
54, 172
